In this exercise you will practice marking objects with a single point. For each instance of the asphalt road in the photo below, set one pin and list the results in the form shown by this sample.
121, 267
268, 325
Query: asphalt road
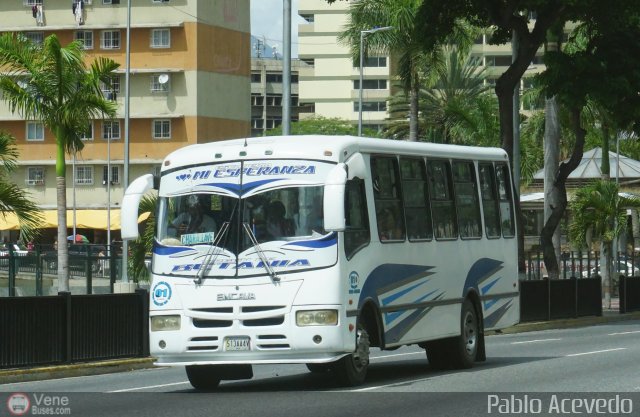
591, 362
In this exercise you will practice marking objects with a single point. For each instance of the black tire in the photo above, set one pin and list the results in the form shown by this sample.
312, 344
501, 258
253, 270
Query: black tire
458, 352
464, 348
352, 369
319, 368
203, 377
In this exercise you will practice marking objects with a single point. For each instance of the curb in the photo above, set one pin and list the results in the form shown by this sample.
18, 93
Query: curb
567, 323
15, 375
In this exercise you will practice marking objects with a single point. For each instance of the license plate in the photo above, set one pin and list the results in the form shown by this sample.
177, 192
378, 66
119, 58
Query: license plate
237, 343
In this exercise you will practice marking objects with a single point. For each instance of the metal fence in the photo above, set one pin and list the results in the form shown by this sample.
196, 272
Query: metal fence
93, 269
73, 328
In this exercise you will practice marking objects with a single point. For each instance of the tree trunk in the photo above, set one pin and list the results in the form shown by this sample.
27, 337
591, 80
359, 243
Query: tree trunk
551, 192
605, 268
563, 171
61, 199
414, 111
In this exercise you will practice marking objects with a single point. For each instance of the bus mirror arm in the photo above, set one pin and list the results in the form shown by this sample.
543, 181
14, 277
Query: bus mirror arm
130, 204
333, 204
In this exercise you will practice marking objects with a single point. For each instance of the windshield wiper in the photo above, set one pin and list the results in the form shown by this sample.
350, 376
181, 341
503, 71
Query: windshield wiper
272, 274
213, 252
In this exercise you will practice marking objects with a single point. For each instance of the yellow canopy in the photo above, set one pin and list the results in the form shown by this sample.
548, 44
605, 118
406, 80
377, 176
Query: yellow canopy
85, 219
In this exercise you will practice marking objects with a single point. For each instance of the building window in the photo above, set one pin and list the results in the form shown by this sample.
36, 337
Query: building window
86, 37
35, 176
310, 18
160, 38
274, 100
35, 131
31, 2
372, 62
35, 37
111, 90
370, 85
110, 1
115, 174
309, 61
256, 77
257, 100
371, 106
111, 129
273, 122
87, 134
257, 123
110, 39
274, 78
162, 129
160, 83
159, 1
84, 175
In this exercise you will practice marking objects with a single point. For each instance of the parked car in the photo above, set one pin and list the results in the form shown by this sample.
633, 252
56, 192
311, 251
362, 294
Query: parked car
623, 268
77, 257
18, 250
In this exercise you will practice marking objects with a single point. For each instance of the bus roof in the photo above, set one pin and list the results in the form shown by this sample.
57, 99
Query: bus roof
318, 147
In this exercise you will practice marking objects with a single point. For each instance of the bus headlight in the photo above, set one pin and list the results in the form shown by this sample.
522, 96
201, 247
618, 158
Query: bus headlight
317, 318
162, 323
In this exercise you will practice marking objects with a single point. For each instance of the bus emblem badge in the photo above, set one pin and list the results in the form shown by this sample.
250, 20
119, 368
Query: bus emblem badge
353, 282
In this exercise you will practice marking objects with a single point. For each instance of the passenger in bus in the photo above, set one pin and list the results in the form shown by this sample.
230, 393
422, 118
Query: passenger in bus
387, 226
277, 224
194, 220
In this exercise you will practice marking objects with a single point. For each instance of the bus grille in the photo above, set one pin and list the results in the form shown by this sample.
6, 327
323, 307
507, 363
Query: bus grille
203, 343
272, 341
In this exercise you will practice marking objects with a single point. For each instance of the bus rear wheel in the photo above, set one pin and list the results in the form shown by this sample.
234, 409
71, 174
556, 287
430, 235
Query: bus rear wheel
458, 352
352, 369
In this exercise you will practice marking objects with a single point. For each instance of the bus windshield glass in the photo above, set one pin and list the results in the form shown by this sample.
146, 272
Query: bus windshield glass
238, 216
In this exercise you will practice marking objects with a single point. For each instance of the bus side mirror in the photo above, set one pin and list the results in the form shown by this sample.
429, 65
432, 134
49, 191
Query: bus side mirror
333, 203
130, 204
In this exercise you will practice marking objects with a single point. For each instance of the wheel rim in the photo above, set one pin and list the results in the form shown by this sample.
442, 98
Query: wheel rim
470, 333
361, 355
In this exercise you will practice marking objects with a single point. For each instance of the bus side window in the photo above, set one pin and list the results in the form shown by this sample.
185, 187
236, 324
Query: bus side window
416, 198
506, 203
443, 206
489, 200
357, 234
464, 177
388, 199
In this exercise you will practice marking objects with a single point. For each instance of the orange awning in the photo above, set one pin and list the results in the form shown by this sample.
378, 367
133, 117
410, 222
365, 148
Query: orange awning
85, 219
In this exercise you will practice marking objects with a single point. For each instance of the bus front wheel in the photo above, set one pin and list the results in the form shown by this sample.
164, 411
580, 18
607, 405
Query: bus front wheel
464, 349
203, 377
352, 369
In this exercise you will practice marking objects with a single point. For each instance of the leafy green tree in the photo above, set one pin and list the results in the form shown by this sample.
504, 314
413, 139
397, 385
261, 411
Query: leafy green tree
403, 42
599, 214
13, 199
52, 83
319, 125
144, 244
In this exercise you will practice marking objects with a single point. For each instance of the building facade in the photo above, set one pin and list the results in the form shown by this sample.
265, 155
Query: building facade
330, 85
189, 83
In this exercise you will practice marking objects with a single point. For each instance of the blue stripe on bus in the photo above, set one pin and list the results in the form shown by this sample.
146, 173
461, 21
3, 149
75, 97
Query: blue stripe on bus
242, 188
392, 298
388, 274
493, 318
481, 270
325, 242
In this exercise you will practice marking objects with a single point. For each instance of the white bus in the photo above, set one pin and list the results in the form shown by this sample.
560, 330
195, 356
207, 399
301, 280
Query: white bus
313, 249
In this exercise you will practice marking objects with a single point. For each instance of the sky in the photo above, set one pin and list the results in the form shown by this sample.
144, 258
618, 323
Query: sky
267, 20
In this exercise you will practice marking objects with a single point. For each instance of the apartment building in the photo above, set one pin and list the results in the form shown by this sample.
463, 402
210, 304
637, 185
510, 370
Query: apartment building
266, 94
330, 84
189, 82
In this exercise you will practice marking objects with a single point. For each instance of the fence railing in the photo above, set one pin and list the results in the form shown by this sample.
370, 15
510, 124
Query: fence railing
73, 328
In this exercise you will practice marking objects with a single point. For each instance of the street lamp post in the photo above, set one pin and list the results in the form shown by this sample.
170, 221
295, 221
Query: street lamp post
363, 34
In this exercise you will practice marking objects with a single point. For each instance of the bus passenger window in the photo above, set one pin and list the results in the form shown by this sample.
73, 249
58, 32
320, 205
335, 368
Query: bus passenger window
464, 177
416, 198
388, 199
443, 206
489, 200
504, 194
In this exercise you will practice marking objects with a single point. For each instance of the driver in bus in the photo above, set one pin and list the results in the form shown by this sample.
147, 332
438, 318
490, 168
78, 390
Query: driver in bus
194, 220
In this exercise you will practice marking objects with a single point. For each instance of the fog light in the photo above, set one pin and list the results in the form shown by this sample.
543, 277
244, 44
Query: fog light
317, 318
162, 344
317, 339
164, 323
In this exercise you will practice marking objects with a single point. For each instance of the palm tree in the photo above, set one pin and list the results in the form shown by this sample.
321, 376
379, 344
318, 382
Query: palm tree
403, 41
144, 244
13, 199
51, 83
599, 213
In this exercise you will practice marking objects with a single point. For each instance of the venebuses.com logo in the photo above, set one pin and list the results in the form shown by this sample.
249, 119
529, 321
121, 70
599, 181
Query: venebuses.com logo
18, 404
